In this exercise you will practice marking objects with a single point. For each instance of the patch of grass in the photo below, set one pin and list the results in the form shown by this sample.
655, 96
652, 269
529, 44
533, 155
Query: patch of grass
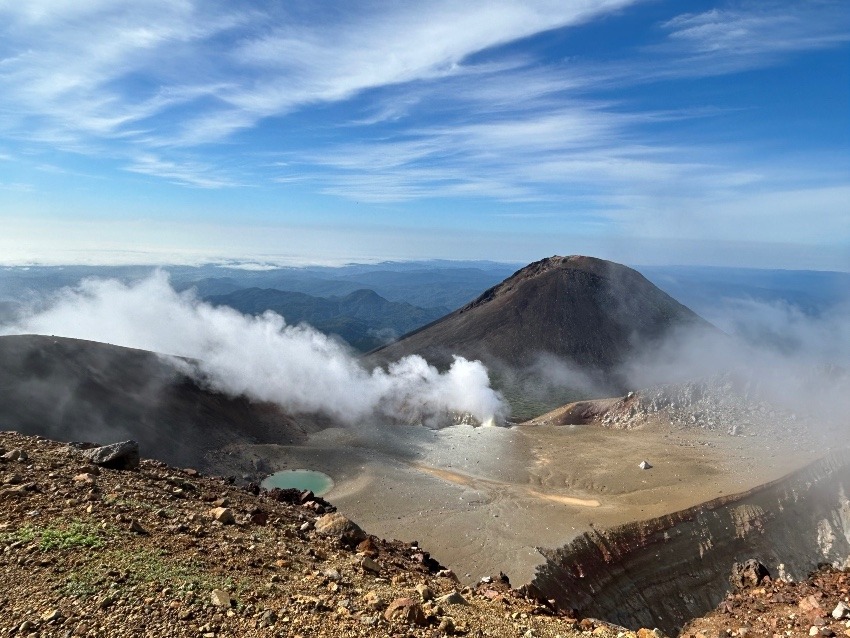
68, 535
82, 584
147, 567
76, 534
23, 534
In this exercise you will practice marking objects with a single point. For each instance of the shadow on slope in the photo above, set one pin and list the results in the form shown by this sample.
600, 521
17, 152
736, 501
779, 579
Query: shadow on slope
70, 389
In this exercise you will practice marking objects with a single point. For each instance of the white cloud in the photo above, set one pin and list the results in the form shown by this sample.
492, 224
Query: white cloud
154, 87
749, 36
93, 68
761, 28
262, 357
189, 173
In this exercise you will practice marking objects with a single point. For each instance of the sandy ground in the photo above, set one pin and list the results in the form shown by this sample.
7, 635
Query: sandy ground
482, 499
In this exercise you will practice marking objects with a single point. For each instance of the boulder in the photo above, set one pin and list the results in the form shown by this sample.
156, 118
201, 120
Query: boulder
748, 574
223, 515
452, 598
117, 456
335, 524
406, 611
220, 598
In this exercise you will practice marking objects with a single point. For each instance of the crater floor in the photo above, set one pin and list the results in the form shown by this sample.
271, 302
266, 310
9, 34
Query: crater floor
483, 499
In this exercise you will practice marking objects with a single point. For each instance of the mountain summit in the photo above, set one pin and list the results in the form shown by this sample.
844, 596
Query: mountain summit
590, 312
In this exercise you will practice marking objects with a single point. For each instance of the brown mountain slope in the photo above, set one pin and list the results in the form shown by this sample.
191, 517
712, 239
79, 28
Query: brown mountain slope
71, 389
590, 312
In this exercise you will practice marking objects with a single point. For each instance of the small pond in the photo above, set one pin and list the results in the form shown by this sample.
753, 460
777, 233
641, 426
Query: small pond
317, 482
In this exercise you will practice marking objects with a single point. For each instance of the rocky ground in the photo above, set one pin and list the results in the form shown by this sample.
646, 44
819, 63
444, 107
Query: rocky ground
733, 403
721, 402
90, 550
86, 550
820, 606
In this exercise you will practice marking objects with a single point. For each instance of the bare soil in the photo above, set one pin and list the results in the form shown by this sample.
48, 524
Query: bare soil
483, 499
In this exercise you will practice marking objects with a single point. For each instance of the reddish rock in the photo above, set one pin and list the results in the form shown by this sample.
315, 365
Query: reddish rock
406, 611
368, 547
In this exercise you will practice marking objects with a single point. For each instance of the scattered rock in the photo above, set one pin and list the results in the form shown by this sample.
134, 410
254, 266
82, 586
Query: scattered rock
841, 611
220, 598
117, 456
447, 625
136, 527
406, 611
368, 547
268, 618
259, 517
373, 601
335, 524
223, 515
370, 565
751, 573
425, 593
452, 598
809, 604
644, 465
51, 615
332, 575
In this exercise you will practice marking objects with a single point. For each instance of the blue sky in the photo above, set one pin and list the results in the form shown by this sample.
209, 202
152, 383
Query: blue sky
649, 132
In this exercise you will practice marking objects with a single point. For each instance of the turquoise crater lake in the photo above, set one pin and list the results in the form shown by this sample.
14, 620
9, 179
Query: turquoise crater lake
316, 482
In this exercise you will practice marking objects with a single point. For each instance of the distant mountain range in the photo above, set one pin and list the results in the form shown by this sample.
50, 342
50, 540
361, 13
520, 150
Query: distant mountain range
430, 288
363, 318
704, 288
587, 314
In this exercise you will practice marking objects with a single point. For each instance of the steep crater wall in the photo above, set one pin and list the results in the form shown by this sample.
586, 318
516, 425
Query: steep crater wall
662, 572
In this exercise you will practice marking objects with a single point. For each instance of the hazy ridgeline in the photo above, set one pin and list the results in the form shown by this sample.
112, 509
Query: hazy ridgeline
797, 349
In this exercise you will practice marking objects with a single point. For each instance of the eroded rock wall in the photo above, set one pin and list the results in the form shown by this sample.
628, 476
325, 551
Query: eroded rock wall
665, 571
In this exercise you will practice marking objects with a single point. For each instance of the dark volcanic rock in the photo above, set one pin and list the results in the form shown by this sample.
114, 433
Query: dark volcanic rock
118, 456
592, 313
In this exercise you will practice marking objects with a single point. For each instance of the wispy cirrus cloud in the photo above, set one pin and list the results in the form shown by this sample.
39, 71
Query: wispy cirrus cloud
91, 68
745, 36
383, 102
189, 173
759, 29
94, 68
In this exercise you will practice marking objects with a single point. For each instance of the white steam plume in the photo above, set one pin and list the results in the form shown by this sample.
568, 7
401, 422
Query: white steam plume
262, 357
